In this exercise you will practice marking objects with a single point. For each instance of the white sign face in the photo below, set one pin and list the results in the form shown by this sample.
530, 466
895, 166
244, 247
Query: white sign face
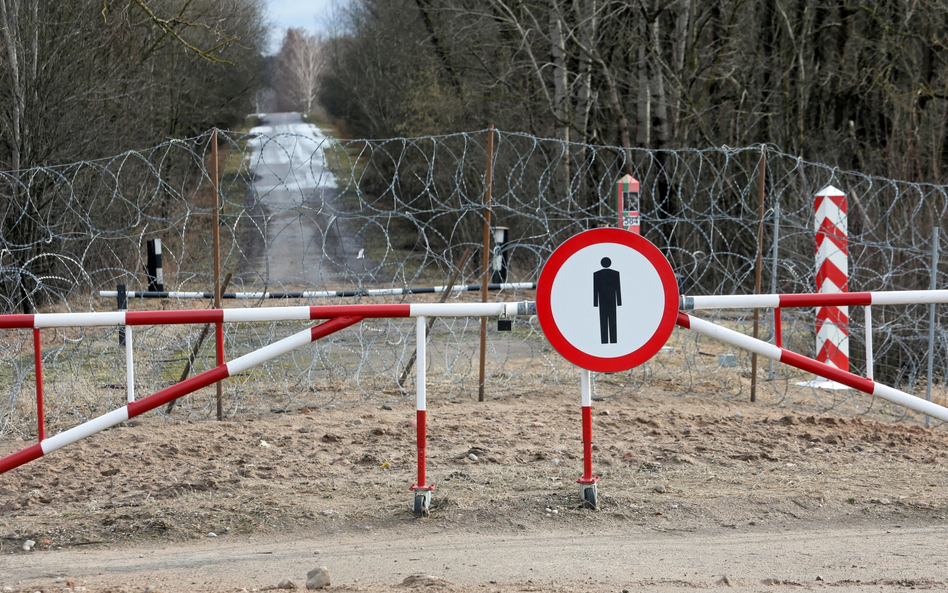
607, 300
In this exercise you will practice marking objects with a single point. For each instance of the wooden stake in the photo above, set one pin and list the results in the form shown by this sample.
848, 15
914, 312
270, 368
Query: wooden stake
217, 267
760, 253
487, 196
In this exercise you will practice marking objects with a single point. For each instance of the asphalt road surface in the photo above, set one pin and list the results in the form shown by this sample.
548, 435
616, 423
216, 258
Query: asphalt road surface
309, 247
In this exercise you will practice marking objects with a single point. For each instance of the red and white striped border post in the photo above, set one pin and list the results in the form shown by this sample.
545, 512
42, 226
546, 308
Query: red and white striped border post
832, 276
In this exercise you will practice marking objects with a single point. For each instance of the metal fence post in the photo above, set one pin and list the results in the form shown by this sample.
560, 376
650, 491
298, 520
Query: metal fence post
931, 321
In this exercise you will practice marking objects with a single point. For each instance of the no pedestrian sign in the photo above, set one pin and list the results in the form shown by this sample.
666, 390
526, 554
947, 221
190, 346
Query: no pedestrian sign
607, 300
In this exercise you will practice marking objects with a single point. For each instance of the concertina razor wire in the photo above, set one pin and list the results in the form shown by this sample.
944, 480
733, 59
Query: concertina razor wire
303, 212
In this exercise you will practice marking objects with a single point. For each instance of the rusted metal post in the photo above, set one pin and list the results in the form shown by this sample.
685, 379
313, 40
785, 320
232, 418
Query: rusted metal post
487, 196
196, 348
759, 264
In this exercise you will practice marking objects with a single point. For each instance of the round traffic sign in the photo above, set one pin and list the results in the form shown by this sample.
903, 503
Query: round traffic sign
607, 300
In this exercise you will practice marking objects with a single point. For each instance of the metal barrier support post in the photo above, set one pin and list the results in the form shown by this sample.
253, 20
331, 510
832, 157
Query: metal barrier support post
422, 490
121, 298
587, 483
38, 364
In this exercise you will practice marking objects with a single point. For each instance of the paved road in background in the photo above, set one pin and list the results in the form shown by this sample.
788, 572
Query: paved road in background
308, 247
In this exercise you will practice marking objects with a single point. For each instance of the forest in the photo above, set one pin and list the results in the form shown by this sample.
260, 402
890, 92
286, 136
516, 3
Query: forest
859, 86
84, 79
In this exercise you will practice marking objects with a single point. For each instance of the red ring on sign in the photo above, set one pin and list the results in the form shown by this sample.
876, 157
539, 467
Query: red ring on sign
545, 309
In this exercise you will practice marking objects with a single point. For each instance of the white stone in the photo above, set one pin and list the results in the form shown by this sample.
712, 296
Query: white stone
286, 583
472, 457
318, 578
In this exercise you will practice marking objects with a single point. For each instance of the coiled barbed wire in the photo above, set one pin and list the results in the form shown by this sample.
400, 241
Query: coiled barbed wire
303, 212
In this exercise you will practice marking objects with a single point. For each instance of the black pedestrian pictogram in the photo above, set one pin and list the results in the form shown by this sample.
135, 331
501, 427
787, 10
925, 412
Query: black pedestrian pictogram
607, 297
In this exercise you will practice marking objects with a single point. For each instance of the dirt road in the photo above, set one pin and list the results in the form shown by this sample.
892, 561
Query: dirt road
307, 245
887, 558
696, 492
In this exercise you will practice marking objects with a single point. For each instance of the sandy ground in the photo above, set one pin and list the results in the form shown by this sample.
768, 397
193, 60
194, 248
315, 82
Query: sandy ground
696, 492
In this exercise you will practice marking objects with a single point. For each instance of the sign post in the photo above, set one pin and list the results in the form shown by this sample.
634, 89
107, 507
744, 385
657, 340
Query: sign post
627, 195
607, 300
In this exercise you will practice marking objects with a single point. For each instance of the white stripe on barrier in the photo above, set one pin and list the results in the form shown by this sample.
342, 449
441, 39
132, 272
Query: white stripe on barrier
317, 294
41, 320
83, 430
736, 338
740, 301
271, 351
266, 314
129, 365
421, 343
459, 309
909, 297
770, 301
910, 401
585, 386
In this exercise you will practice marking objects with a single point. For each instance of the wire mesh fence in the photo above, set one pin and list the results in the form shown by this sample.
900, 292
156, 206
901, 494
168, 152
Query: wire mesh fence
303, 212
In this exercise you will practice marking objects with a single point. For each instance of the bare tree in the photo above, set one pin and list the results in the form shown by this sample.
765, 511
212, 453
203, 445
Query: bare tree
299, 66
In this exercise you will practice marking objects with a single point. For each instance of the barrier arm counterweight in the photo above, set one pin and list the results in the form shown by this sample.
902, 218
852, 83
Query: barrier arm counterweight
824, 370
177, 390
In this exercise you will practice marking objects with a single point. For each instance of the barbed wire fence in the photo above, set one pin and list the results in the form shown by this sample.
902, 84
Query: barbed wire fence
302, 212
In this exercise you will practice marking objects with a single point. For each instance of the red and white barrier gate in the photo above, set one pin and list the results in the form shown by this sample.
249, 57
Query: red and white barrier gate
822, 369
581, 283
337, 317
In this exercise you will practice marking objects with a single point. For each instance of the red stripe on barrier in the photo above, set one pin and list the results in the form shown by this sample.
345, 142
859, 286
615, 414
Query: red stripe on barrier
160, 398
174, 317
16, 321
38, 365
587, 443
17, 459
683, 321
838, 299
778, 328
372, 311
421, 421
828, 371
333, 325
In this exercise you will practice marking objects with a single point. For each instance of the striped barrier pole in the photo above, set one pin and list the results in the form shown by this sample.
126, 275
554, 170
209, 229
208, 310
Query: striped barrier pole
175, 391
832, 276
783, 301
320, 294
303, 313
816, 367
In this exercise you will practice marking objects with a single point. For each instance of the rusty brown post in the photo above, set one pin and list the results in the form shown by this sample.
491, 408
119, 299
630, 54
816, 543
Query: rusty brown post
487, 196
